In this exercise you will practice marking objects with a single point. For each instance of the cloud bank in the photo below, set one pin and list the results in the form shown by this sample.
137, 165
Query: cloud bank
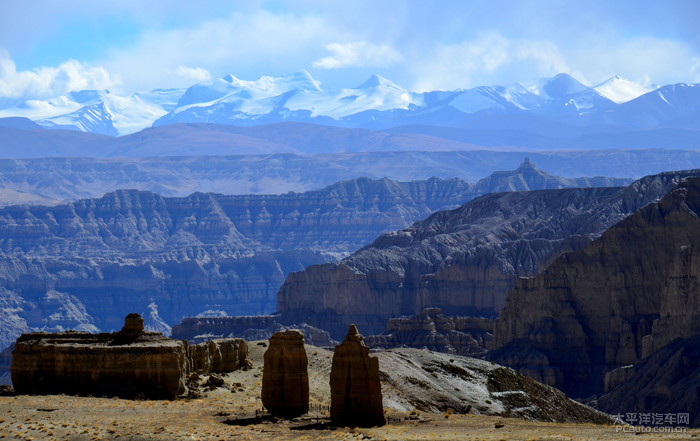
418, 45
48, 82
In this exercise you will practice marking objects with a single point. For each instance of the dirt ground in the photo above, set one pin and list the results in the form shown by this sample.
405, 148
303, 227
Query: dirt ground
213, 416
229, 413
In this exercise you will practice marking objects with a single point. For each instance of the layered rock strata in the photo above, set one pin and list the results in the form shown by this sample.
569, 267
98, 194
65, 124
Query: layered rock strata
285, 386
611, 304
85, 264
433, 330
356, 393
462, 261
128, 363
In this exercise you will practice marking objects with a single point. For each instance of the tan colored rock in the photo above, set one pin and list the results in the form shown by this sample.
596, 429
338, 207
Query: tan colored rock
356, 393
128, 363
124, 364
285, 388
219, 355
133, 324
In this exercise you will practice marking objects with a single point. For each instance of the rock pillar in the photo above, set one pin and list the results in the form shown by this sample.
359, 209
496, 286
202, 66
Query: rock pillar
285, 388
356, 393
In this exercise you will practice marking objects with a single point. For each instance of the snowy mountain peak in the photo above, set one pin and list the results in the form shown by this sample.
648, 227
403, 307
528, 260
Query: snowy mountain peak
229, 78
621, 90
556, 87
377, 81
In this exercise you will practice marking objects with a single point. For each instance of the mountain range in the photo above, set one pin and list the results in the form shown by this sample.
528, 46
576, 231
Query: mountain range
463, 261
86, 264
559, 107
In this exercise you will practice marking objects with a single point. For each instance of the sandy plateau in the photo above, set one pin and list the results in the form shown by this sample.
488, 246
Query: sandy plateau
229, 412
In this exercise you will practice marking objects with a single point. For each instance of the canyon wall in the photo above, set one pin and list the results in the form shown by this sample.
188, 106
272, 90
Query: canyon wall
462, 261
610, 304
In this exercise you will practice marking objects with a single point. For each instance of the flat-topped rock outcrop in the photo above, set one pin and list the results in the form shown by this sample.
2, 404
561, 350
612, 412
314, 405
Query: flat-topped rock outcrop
128, 363
285, 386
356, 393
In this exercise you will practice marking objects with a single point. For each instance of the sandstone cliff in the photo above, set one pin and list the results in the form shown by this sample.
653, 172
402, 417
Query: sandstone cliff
612, 303
462, 261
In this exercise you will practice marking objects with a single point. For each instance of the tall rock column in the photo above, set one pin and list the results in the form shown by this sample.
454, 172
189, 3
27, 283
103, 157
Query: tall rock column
285, 388
356, 394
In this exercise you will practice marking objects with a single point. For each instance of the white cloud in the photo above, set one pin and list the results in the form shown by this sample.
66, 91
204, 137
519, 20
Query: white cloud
196, 74
358, 54
246, 45
47, 82
489, 59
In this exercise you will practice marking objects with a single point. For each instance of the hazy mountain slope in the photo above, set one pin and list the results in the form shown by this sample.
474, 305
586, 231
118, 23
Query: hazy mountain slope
59, 180
87, 264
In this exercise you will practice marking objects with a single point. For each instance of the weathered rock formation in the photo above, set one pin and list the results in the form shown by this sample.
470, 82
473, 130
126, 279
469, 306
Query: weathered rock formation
433, 330
128, 363
462, 261
356, 393
84, 264
285, 386
610, 304
218, 355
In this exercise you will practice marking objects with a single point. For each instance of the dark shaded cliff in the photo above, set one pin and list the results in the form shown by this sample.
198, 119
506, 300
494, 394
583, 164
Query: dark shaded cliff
611, 304
463, 260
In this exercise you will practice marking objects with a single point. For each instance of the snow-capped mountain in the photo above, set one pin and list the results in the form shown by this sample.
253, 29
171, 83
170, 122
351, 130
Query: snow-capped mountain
376, 103
98, 111
620, 90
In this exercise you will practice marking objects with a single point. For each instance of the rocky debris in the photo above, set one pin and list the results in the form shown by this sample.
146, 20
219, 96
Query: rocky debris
128, 363
214, 381
356, 393
285, 384
612, 303
433, 330
668, 383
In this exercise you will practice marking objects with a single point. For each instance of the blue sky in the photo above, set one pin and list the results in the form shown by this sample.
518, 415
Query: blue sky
48, 48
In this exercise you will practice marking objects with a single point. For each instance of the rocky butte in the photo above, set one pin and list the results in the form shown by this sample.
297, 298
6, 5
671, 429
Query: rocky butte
356, 393
128, 363
285, 386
